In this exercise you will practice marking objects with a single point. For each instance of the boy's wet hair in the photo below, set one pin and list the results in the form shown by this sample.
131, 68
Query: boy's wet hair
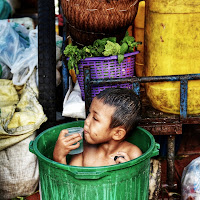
127, 104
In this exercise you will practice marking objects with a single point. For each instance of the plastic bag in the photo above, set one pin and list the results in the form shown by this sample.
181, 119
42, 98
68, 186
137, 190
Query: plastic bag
5, 72
24, 66
10, 45
27, 22
59, 41
18, 50
190, 181
73, 105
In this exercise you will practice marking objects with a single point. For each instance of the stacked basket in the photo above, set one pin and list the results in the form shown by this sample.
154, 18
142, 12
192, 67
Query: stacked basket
89, 20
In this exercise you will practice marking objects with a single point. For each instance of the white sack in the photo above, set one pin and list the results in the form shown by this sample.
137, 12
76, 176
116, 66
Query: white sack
19, 174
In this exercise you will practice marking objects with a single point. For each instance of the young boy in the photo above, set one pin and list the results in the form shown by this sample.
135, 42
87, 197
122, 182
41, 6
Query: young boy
114, 114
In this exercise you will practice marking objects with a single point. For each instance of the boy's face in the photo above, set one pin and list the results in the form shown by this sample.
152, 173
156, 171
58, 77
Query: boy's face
96, 128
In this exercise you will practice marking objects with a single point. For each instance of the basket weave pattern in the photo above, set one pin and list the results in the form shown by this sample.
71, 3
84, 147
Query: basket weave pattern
107, 67
94, 19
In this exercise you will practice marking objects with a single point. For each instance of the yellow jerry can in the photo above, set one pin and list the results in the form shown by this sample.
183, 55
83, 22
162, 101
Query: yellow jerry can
172, 47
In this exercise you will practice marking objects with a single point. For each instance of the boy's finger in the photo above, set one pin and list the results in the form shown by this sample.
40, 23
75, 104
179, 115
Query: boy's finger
123, 154
116, 157
72, 140
120, 159
63, 133
71, 137
75, 146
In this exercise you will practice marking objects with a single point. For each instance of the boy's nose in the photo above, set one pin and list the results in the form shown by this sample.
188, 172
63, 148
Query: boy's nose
87, 121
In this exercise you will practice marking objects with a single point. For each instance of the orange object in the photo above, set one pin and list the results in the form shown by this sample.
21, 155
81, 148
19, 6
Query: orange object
139, 36
35, 196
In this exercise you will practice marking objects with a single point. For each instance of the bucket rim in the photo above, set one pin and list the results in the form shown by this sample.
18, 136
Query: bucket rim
40, 156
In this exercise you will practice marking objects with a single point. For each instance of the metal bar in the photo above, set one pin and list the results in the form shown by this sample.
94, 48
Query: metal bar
163, 129
87, 88
65, 72
65, 75
167, 78
183, 98
170, 160
47, 60
145, 79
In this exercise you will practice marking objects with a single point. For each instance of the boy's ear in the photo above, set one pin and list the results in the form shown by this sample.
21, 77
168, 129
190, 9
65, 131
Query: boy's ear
119, 133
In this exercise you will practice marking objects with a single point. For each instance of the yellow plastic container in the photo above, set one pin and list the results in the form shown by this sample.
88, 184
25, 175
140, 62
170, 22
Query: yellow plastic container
172, 47
139, 36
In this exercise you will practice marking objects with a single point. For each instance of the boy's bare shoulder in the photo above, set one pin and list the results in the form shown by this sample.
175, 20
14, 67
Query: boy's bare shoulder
132, 150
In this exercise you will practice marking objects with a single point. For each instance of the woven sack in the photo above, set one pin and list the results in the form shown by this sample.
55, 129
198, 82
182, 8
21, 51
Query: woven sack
89, 20
19, 170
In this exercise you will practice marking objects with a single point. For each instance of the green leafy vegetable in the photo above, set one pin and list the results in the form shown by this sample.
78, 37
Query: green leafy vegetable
74, 55
101, 47
111, 49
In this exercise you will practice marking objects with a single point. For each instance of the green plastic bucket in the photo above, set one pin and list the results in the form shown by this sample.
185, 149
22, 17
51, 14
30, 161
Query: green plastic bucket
125, 181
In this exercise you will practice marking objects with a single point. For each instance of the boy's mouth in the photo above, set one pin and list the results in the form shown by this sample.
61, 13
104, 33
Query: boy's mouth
86, 135
86, 132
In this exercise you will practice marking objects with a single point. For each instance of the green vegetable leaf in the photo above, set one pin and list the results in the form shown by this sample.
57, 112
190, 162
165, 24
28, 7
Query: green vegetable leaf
100, 50
102, 42
128, 39
87, 50
112, 39
120, 58
96, 43
123, 48
130, 49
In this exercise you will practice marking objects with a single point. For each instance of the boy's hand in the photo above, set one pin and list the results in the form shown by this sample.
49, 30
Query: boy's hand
121, 157
64, 145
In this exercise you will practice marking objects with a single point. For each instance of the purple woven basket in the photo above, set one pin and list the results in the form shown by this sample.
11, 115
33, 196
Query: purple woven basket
107, 67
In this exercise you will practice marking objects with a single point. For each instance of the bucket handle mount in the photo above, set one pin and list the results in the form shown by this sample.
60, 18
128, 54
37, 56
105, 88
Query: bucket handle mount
156, 150
89, 175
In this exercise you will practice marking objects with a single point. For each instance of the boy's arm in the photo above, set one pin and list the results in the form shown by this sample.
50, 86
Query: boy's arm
136, 152
64, 145
77, 160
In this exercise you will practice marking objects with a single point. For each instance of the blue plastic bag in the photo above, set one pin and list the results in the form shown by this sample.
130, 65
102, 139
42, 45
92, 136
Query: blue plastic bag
18, 50
10, 46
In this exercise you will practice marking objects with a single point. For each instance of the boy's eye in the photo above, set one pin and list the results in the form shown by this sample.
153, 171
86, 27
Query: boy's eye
95, 118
